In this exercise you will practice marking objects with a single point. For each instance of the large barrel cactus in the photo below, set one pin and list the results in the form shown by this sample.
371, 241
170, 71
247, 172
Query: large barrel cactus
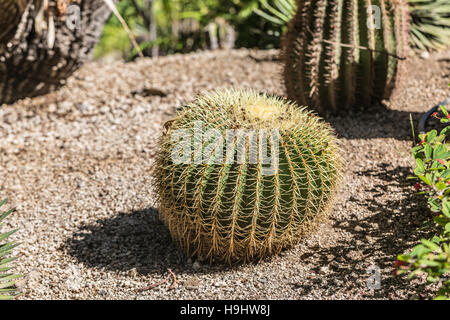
344, 54
240, 175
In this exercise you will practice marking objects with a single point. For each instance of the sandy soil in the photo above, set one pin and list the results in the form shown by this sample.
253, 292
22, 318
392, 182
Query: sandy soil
77, 166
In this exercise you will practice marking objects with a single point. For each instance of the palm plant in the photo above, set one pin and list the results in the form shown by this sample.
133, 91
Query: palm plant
170, 26
8, 289
280, 12
430, 24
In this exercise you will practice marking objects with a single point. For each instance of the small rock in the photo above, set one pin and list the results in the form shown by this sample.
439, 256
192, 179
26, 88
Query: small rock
220, 284
425, 55
84, 108
192, 283
33, 276
196, 266
323, 270
65, 106
20, 284
103, 293
52, 107
132, 273
263, 280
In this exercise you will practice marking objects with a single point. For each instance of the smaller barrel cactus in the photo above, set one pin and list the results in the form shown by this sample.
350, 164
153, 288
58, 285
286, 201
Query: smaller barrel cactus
241, 176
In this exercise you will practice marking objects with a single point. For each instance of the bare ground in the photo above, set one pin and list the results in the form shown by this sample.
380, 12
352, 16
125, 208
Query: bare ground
77, 166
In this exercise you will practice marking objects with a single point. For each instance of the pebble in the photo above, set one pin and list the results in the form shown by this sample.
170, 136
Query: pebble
220, 284
196, 266
425, 55
133, 272
324, 270
192, 283
262, 280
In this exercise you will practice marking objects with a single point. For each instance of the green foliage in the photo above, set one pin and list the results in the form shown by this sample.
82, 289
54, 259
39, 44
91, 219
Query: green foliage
114, 36
277, 11
224, 207
432, 170
430, 24
181, 25
341, 64
7, 280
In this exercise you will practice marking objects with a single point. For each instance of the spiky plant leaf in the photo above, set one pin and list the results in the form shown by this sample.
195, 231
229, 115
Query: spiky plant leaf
430, 24
7, 280
277, 11
220, 200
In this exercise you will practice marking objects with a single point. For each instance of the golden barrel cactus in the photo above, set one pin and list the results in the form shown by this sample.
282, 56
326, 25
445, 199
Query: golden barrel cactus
241, 176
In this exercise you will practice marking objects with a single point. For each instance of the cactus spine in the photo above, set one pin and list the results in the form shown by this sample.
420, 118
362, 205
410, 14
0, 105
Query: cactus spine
334, 60
228, 207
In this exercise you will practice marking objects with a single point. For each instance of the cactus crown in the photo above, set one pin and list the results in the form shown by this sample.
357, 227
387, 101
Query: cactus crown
233, 205
243, 109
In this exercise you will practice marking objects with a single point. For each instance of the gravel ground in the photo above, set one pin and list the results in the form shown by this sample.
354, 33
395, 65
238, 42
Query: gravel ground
77, 166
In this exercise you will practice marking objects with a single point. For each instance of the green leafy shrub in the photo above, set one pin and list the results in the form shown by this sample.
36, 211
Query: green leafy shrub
7, 280
432, 256
224, 202
184, 26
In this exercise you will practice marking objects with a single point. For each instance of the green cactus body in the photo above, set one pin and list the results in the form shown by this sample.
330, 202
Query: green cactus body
234, 205
333, 61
